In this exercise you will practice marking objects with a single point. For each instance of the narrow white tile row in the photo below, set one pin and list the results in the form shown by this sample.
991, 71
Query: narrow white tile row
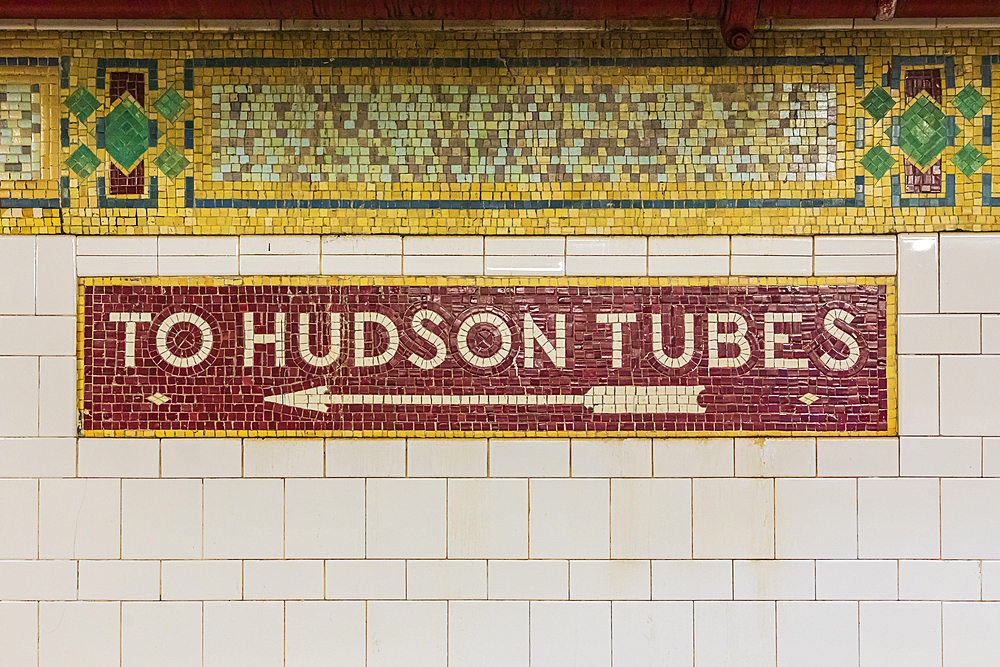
929, 456
458, 579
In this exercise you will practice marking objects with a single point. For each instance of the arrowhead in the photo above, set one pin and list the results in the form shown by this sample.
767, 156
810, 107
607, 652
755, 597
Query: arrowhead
644, 400
306, 399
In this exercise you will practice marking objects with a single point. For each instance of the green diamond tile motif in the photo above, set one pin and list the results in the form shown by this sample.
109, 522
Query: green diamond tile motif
171, 162
82, 161
171, 105
969, 159
877, 103
81, 103
126, 133
923, 131
877, 161
969, 102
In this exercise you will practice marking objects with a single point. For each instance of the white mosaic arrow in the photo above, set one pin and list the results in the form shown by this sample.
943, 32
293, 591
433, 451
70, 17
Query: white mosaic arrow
602, 400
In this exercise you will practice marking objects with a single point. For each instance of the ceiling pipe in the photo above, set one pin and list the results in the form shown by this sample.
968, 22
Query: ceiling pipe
736, 18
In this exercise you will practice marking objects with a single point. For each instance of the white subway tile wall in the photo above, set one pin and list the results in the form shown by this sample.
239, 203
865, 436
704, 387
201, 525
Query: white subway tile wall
575, 551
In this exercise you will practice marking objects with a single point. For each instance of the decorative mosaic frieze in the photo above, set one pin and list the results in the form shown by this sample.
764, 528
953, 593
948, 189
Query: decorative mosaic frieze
443, 133
450, 356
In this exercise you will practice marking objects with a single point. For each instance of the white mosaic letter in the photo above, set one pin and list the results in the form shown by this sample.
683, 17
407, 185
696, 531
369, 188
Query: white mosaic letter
306, 352
853, 348
660, 354
716, 340
771, 338
533, 334
360, 358
251, 339
130, 320
207, 339
420, 330
616, 320
498, 323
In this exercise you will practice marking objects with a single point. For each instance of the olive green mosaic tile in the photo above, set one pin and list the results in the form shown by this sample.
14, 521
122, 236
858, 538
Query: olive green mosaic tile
969, 101
171, 162
877, 161
877, 103
83, 161
969, 159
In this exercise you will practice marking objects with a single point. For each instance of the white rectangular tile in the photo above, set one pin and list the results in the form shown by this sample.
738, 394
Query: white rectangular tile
770, 265
362, 265
969, 283
47, 335
119, 457
161, 518
991, 334
693, 457
119, 580
55, 276
57, 414
38, 580
606, 245
775, 457
605, 265
815, 518
37, 457
918, 395
969, 511
158, 634
856, 579
689, 245
443, 245
294, 265
282, 458
17, 275
487, 518
18, 518
918, 273
940, 457
202, 579
315, 631
900, 634
735, 633
939, 334
854, 265
695, 265
283, 579
529, 457
487, 634
434, 265
324, 518
116, 265
609, 580
733, 518
774, 580
569, 518
692, 580
969, 633
244, 633
528, 579
991, 456
652, 633
822, 634
199, 265
19, 632
525, 265
969, 402
198, 246
407, 633
406, 518
857, 457
18, 396
285, 244
243, 518
201, 457
772, 245
79, 633
461, 457
362, 245
358, 457
650, 518
855, 245
939, 580
446, 579
898, 518
611, 457
525, 245
79, 518
366, 579
568, 634
117, 245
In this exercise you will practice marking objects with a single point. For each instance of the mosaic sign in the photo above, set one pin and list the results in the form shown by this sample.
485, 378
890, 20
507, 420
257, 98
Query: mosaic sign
449, 356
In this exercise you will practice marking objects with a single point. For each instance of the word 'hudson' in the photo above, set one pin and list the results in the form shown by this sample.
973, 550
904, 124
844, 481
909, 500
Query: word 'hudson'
449, 356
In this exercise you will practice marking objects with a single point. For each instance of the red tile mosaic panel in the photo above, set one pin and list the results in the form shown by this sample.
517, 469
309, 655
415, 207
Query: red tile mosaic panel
449, 356
133, 183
